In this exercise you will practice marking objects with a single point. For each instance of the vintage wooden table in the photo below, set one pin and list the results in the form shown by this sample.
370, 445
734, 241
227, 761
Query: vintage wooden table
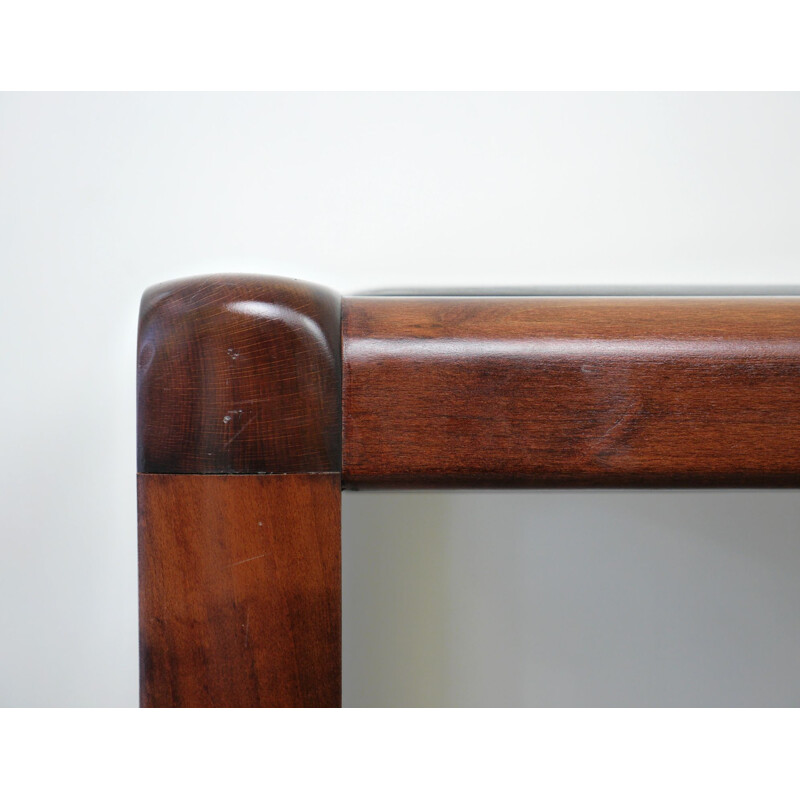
261, 399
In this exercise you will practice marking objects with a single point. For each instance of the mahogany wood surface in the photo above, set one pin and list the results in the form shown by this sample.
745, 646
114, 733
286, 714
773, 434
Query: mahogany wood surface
592, 391
240, 590
239, 374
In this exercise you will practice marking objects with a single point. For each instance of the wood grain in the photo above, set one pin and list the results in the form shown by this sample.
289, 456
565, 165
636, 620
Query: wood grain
240, 590
660, 392
239, 374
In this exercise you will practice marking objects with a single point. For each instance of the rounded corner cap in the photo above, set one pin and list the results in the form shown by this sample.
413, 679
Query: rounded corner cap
239, 374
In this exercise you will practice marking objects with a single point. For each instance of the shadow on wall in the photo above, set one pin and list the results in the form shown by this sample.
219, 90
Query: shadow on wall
670, 598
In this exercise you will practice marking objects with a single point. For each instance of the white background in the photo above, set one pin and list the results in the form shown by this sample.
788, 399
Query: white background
531, 598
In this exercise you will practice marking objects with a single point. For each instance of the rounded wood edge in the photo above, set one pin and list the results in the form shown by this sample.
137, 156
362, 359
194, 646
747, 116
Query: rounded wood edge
239, 374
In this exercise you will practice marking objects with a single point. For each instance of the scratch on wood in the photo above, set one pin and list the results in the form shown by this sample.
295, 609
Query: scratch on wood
238, 433
623, 418
245, 560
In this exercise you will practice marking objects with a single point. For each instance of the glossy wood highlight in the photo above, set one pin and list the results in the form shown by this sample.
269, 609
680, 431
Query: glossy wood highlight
240, 590
594, 391
239, 374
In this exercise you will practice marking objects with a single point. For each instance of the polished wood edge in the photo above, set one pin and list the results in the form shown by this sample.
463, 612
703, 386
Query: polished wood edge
656, 291
244, 474
239, 374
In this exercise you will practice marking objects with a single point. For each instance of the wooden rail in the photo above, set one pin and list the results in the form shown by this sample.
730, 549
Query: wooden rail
588, 391
260, 398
